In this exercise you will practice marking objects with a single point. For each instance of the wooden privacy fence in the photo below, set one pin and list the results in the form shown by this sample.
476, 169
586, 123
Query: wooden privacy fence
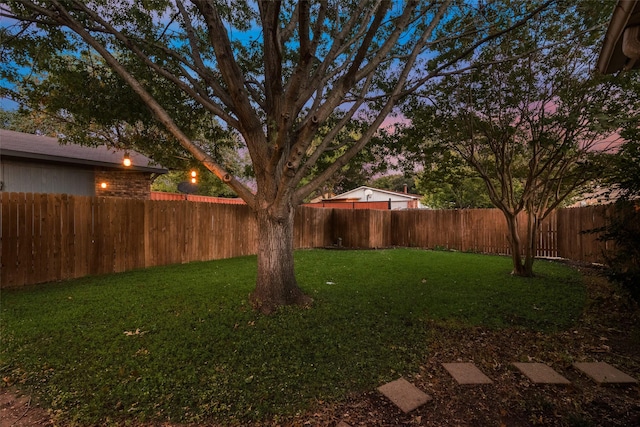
473, 230
47, 237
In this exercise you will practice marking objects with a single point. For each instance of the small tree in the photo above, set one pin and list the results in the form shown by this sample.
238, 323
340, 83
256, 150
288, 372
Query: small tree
529, 121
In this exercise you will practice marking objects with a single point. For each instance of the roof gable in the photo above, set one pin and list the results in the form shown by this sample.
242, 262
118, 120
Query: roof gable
355, 191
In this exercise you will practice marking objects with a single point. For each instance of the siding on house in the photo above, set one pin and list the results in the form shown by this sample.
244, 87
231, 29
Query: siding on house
23, 177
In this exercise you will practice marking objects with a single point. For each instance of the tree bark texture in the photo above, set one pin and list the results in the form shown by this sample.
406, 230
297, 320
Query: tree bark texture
276, 283
521, 267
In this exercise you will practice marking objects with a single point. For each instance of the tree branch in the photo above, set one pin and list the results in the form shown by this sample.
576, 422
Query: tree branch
63, 17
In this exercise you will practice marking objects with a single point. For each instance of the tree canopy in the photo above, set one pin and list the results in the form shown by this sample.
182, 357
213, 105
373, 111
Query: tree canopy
286, 78
274, 72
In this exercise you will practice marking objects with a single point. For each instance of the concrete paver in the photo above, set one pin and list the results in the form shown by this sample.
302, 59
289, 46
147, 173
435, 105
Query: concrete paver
466, 373
404, 395
603, 373
540, 373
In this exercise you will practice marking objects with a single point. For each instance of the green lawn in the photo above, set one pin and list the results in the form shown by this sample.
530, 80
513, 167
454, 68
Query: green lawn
181, 343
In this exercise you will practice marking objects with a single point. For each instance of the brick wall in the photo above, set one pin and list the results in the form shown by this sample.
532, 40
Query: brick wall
129, 184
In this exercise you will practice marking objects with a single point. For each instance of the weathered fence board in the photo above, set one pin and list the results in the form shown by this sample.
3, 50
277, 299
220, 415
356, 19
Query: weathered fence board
573, 242
48, 237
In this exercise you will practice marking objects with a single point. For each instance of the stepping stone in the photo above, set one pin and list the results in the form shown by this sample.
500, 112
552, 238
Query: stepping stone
404, 395
539, 373
466, 373
603, 373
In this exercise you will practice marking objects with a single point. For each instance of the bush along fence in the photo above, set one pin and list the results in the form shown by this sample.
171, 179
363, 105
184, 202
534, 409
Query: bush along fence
49, 237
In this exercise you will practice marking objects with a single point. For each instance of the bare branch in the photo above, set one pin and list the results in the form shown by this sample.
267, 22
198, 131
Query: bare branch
231, 71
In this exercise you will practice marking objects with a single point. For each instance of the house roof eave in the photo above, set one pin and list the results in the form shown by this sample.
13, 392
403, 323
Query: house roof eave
19, 145
20, 155
612, 59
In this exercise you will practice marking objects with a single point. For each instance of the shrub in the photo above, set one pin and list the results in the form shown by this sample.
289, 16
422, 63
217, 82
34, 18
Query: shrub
624, 259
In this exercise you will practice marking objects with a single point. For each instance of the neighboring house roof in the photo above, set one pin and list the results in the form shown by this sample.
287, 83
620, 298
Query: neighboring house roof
35, 147
395, 199
356, 194
621, 47
324, 196
599, 196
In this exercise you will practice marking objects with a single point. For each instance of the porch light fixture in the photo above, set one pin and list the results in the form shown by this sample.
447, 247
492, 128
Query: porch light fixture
126, 161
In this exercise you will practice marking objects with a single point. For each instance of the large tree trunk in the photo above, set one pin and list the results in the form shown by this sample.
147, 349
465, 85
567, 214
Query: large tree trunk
276, 282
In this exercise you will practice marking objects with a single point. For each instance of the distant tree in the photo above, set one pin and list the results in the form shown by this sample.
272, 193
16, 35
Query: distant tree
206, 184
28, 121
395, 182
529, 126
448, 182
272, 72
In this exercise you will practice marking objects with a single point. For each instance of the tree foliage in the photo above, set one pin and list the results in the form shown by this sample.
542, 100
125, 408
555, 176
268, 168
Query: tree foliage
448, 182
29, 122
207, 184
530, 120
623, 225
368, 162
395, 182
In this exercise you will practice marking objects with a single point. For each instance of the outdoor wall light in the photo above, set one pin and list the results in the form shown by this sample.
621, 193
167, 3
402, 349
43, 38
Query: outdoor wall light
193, 177
126, 160
103, 185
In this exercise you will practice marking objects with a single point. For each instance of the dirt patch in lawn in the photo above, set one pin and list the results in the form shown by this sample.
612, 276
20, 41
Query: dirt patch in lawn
608, 331
20, 411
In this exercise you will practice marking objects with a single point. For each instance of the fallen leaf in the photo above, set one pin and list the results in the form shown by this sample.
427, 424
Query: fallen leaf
136, 332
